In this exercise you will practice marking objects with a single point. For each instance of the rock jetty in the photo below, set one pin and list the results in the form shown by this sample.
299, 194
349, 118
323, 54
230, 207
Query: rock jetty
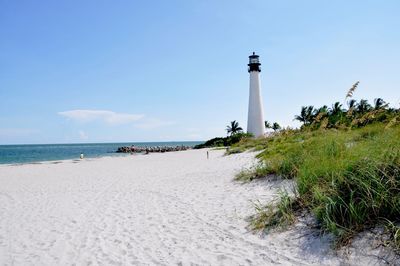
140, 149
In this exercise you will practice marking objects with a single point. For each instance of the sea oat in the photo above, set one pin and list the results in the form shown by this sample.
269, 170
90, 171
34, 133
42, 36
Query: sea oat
352, 89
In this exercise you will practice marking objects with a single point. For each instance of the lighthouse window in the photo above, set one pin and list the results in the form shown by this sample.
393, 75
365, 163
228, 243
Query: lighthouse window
253, 60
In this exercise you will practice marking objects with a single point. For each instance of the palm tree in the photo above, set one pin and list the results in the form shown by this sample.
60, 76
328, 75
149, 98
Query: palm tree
276, 126
303, 115
267, 124
352, 104
323, 109
379, 103
352, 108
310, 114
335, 114
233, 128
306, 115
320, 113
336, 109
363, 107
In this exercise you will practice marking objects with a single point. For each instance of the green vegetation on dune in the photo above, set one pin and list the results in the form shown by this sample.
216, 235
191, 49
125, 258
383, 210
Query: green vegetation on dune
258, 171
279, 214
223, 142
346, 174
235, 135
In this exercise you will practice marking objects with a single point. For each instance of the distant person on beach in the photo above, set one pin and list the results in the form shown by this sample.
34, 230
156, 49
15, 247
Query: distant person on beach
207, 155
81, 155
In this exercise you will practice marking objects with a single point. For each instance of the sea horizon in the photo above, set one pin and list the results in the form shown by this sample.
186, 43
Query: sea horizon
33, 153
73, 143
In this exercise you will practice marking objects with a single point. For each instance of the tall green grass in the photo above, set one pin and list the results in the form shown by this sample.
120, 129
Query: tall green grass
257, 171
280, 214
349, 179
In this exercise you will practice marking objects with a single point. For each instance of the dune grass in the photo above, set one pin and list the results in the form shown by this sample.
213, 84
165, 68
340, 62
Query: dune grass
257, 171
280, 214
349, 178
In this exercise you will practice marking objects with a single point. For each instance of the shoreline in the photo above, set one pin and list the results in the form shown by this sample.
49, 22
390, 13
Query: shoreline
114, 155
56, 161
32, 153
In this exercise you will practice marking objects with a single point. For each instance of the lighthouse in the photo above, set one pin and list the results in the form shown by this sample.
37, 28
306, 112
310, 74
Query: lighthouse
255, 120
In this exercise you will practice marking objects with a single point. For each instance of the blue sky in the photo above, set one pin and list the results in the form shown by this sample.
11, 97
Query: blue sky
109, 71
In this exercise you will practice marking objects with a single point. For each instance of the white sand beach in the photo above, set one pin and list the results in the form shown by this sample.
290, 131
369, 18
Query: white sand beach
157, 209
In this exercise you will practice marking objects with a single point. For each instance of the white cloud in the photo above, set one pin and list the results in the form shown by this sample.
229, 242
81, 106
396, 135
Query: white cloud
109, 117
83, 135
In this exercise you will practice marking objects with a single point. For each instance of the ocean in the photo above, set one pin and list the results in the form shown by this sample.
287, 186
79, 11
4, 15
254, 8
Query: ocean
14, 154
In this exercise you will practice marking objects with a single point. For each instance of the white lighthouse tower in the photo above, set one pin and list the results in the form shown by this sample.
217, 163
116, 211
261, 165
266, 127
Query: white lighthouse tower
255, 120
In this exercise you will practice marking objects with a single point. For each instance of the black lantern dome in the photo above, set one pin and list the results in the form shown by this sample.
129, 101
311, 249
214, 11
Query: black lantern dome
254, 63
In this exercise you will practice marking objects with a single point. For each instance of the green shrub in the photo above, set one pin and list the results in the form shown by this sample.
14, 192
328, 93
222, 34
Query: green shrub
278, 214
349, 179
257, 171
222, 142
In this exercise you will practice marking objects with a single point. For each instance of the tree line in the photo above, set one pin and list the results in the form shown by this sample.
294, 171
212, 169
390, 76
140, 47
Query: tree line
357, 114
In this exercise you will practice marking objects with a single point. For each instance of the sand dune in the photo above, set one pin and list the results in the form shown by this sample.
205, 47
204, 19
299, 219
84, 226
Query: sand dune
168, 209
